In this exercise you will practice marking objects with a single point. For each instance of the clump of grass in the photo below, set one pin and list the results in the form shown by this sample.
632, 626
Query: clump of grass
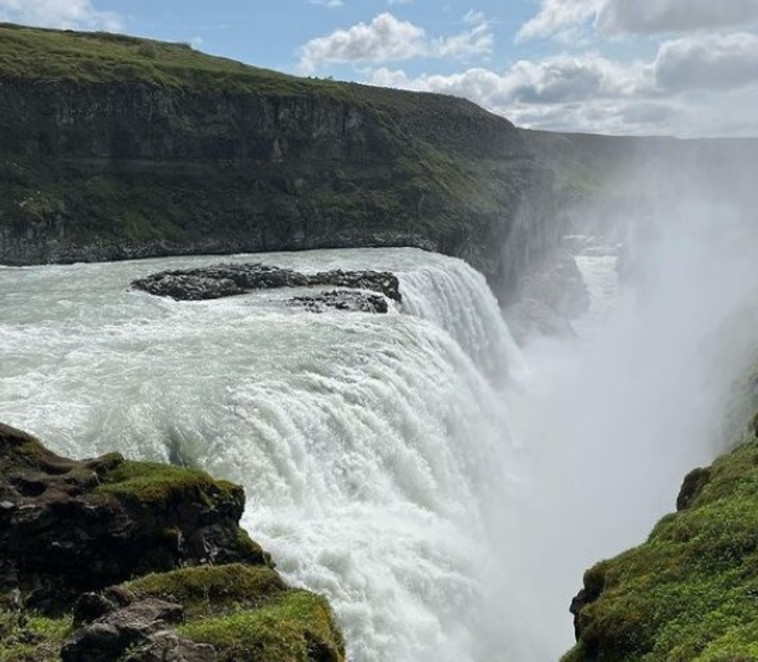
32, 638
206, 590
296, 627
153, 483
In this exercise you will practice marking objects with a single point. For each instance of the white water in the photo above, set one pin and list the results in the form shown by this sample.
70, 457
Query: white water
444, 497
370, 446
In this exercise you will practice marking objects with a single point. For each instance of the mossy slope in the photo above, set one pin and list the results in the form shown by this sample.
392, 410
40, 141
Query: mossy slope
690, 593
248, 613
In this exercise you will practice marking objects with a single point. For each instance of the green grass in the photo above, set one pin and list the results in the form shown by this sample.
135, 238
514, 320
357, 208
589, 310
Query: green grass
296, 627
690, 593
95, 57
153, 483
33, 639
208, 590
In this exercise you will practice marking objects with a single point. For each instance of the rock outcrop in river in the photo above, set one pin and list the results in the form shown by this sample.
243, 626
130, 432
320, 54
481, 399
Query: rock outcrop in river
223, 280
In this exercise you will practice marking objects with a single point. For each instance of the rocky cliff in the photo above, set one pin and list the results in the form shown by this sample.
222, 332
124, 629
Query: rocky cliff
114, 147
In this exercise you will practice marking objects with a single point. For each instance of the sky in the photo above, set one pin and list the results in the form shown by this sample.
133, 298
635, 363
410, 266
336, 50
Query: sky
687, 68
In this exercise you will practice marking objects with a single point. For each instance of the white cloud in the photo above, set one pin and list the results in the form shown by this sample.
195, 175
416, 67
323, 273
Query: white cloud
555, 80
650, 16
697, 85
708, 62
67, 14
331, 4
556, 17
388, 38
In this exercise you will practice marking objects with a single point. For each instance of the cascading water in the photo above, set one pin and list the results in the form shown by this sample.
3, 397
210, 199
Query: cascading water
370, 446
376, 450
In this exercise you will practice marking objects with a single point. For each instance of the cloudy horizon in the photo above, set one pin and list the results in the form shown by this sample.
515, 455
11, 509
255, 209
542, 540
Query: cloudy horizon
686, 68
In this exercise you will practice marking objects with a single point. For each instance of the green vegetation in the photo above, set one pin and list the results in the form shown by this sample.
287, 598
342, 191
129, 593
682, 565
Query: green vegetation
94, 57
31, 638
147, 482
297, 626
247, 611
209, 590
690, 593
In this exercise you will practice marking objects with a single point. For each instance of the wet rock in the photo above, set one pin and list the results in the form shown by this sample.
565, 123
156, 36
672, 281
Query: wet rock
551, 296
347, 300
224, 280
692, 486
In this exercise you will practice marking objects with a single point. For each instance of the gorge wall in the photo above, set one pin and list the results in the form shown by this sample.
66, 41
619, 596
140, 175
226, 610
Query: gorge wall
113, 147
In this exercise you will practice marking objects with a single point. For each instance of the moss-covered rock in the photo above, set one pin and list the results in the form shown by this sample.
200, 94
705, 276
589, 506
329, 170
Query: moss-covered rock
70, 526
690, 593
209, 590
296, 626
199, 589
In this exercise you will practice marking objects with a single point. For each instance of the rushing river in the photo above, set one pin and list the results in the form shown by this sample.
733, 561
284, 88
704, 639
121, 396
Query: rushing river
368, 445
444, 490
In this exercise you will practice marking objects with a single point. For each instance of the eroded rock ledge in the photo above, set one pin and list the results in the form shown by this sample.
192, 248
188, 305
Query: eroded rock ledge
108, 559
223, 280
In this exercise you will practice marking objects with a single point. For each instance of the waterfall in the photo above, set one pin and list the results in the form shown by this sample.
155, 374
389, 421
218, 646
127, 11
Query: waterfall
370, 446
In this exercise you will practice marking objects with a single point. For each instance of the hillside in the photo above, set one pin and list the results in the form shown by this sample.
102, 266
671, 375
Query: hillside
115, 147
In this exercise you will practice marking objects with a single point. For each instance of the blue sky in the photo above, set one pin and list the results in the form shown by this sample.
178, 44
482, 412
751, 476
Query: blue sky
674, 67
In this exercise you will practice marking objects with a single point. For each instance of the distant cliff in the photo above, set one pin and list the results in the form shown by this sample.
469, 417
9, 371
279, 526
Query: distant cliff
115, 147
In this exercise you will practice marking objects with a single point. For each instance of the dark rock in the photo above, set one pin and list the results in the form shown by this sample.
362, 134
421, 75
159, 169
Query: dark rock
70, 527
166, 646
91, 606
342, 300
224, 280
110, 636
692, 486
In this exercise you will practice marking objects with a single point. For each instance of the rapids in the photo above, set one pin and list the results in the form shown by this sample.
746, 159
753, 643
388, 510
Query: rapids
370, 446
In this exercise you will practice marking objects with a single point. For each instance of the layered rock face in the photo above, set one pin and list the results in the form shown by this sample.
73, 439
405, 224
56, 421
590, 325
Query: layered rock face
126, 148
151, 559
